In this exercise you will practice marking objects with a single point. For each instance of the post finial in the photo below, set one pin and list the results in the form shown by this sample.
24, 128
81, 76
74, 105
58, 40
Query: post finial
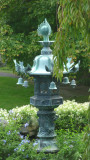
44, 29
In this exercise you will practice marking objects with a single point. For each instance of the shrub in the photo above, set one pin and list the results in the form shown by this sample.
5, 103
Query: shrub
15, 146
20, 115
72, 115
9, 139
71, 145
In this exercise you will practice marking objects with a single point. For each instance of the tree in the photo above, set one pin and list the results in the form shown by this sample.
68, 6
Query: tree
19, 21
73, 34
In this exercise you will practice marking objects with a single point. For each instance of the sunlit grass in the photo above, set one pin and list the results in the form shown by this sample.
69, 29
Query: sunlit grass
12, 95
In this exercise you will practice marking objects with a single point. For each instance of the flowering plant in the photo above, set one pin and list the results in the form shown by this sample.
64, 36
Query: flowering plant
72, 115
15, 146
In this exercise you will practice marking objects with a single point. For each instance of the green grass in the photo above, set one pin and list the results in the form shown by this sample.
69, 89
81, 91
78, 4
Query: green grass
12, 95
6, 69
80, 99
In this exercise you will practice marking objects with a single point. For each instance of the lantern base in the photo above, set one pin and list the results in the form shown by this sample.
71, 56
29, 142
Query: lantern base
47, 146
46, 135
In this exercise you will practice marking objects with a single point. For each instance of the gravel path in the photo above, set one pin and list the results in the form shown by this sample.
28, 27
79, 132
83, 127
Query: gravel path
4, 74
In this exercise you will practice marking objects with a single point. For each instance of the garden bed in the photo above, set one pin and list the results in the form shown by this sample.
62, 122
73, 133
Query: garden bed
70, 128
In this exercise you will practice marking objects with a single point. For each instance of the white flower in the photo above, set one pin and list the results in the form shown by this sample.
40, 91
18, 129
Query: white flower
71, 146
26, 125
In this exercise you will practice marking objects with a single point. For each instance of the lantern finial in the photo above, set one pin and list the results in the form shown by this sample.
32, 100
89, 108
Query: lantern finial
44, 29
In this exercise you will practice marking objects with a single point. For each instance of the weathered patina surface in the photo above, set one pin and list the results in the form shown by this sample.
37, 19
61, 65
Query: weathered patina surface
46, 94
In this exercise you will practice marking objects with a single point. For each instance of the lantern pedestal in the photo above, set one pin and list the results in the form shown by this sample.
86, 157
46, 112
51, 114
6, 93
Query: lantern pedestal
46, 94
46, 135
46, 100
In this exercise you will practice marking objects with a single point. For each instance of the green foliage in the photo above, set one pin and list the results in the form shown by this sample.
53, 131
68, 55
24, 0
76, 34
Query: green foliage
15, 146
25, 16
19, 21
72, 116
9, 139
19, 47
87, 137
71, 145
82, 53
72, 38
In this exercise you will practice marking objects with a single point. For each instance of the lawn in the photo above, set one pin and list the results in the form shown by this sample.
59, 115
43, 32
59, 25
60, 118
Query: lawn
6, 69
70, 125
12, 95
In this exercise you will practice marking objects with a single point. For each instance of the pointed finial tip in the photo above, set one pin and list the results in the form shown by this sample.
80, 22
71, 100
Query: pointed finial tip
45, 20
44, 29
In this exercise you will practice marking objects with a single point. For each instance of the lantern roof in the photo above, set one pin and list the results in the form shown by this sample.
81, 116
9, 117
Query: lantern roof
43, 65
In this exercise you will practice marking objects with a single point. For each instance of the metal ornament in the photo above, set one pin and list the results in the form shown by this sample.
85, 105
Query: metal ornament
71, 67
46, 95
52, 86
17, 66
65, 80
20, 81
73, 83
44, 99
44, 29
22, 68
25, 84
42, 65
